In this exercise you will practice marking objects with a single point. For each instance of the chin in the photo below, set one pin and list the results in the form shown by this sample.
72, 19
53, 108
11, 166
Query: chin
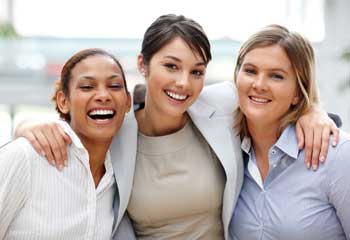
101, 134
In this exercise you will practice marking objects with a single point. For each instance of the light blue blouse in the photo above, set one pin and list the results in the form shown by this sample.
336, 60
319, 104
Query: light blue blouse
294, 202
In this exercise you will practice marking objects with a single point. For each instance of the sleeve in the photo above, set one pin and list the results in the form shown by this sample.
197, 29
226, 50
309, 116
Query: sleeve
220, 95
14, 181
339, 185
125, 229
336, 119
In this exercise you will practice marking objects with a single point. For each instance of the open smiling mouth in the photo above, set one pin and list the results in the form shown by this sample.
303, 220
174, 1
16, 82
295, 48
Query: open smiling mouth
175, 96
259, 100
101, 115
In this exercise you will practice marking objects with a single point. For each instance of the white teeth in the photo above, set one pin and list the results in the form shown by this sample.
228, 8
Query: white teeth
176, 96
260, 100
101, 112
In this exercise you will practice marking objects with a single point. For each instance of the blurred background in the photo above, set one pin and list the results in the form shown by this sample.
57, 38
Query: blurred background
38, 36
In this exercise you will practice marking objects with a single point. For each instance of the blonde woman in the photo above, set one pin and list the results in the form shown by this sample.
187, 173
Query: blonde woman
280, 199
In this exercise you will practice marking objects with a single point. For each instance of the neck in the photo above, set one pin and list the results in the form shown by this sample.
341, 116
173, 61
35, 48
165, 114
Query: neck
154, 123
263, 137
97, 155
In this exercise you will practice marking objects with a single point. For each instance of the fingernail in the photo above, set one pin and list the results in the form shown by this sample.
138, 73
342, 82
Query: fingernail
52, 162
308, 165
65, 163
322, 159
314, 167
334, 143
42, 154
60, 167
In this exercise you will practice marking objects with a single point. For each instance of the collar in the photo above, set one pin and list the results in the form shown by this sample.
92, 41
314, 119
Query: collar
287, 142
69, 131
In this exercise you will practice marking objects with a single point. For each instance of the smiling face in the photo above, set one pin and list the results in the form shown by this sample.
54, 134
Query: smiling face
97, 100
174, 77
267, 86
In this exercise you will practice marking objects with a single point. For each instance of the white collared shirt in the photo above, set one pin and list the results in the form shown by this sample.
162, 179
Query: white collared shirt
39, 202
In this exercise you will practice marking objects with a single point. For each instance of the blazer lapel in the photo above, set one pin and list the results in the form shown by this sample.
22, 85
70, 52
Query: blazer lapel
123, 154
218, 132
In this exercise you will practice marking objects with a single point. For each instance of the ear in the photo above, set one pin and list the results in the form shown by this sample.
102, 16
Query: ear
62, 102
128, 103
141, 64
295, 99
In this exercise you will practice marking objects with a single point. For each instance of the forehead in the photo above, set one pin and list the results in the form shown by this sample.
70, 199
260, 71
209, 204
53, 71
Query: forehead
273, 56
96, 63
179, 48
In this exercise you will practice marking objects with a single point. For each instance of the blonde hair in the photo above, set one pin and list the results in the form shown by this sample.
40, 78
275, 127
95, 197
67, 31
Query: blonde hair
301, 56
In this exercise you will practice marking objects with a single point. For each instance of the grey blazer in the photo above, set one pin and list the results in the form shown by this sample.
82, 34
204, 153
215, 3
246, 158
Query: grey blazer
212, 114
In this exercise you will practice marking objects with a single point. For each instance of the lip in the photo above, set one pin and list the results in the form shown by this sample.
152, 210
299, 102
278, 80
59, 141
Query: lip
175, 96
259, 99
105, 110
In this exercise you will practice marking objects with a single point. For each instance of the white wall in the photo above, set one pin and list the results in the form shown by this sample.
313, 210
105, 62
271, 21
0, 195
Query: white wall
331, 69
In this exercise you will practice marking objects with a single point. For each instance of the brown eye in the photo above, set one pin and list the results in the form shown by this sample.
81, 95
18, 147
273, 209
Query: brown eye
170, 66
116, 86
198, 73
277, 76
249, 71
86, 87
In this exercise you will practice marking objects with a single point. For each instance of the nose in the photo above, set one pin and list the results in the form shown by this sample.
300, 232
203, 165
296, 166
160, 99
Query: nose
103, 95
260, 83
183, 80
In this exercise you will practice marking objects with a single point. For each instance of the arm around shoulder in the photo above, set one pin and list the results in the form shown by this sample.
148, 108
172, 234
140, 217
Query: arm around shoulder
220, 95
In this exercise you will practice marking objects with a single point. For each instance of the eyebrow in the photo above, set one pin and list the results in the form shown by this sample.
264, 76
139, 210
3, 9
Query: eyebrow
271, 69
179, 60
93, 78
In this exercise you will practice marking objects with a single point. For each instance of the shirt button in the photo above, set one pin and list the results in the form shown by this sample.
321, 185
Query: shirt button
273, 151
274, 165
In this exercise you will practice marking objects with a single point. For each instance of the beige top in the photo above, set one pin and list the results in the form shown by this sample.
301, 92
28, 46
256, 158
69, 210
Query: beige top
178, 188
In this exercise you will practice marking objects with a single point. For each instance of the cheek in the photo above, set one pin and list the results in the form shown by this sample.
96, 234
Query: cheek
242, 85
197, 86
121, 102
154, 82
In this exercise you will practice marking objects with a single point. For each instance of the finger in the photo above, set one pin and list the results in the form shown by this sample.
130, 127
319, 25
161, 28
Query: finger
300, 136
34, 142
65, 136
335, 139
325, 143
316, 147
61, 139
45, 146
309, 137
48, 132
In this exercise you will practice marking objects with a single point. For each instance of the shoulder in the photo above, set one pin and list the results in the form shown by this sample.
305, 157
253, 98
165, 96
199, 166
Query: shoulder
219, 95
19, 148
17, 153
338, 160
15, 164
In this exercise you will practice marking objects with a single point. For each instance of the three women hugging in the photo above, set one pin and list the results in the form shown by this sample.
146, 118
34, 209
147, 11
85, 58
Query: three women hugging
225, 161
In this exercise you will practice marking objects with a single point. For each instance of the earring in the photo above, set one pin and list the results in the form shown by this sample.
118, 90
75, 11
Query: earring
143, 73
